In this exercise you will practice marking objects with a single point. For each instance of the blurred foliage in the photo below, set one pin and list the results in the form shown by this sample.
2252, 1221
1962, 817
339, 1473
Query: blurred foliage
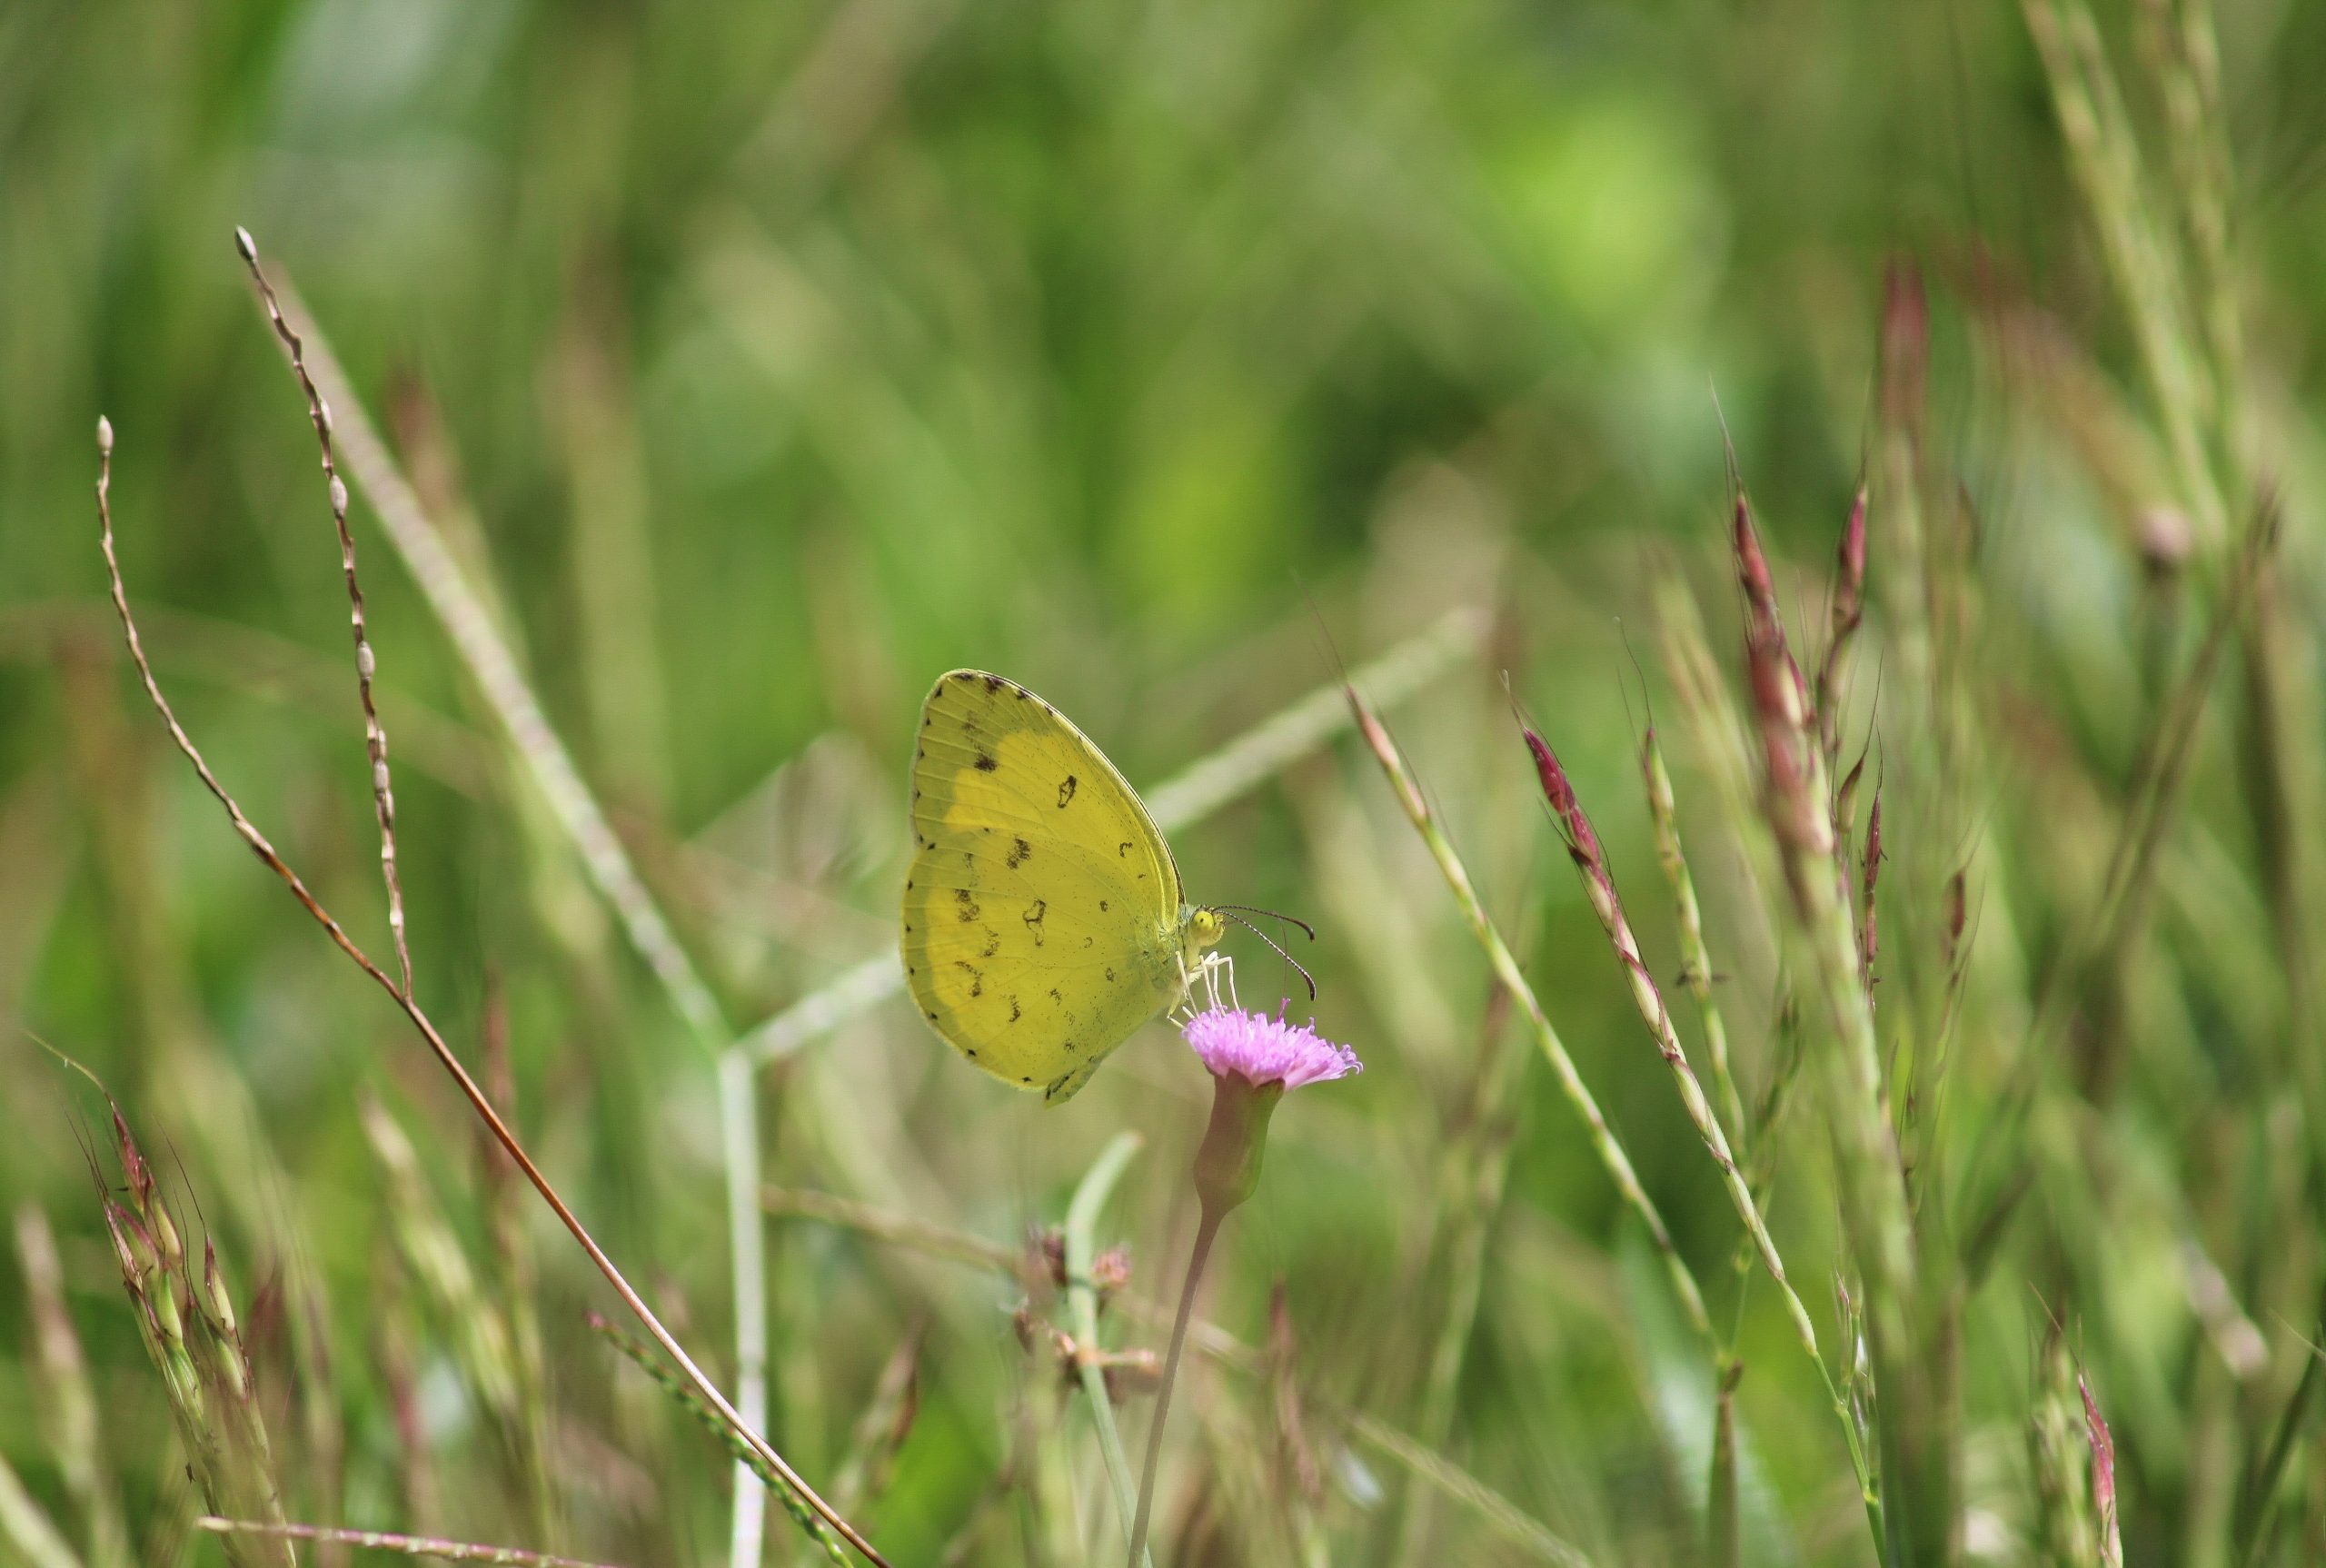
766, 361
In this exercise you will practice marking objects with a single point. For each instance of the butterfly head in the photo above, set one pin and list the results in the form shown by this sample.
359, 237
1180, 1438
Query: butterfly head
1206, 924
1201, 929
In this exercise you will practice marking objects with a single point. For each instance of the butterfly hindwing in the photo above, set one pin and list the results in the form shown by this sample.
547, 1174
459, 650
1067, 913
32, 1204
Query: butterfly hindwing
1042, 910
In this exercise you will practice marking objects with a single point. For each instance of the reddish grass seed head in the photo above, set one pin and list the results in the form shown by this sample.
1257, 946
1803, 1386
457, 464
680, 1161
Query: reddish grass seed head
1905, 344
2103, 1459
1764, 641
1559, 790
1849, 571
134, 1259
1753, 575
219, 1305
1582, 843
134, 1171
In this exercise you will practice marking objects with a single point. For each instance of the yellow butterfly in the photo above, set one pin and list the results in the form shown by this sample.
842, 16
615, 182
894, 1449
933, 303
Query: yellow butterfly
1044, 921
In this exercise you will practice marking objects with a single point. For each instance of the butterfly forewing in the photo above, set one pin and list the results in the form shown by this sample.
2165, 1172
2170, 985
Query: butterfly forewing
1041, 910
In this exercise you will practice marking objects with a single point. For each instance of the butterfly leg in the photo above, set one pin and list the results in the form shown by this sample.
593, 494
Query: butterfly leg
1214, 967
1206, 975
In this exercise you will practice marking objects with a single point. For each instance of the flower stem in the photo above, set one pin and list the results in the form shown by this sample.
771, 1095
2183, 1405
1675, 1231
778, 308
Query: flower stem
1207, 1231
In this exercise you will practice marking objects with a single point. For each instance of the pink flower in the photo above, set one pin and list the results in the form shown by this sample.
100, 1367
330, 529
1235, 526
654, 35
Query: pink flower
1253, 1058
1262, 1050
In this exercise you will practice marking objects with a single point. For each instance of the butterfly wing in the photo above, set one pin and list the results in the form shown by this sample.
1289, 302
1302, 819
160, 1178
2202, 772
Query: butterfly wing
1042, 909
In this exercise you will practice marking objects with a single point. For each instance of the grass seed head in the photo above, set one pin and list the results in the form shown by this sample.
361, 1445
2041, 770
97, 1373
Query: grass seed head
1559, 790
1849, 572
1905, 345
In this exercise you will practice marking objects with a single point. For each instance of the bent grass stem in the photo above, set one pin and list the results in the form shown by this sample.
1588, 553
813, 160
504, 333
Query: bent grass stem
1082, 1302
409, 1005
461, 610
1604, 1142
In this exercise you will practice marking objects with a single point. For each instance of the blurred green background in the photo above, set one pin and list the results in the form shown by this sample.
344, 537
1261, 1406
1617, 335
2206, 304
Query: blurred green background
766, 361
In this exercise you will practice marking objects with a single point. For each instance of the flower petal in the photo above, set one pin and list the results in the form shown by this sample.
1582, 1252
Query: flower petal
1264, 1050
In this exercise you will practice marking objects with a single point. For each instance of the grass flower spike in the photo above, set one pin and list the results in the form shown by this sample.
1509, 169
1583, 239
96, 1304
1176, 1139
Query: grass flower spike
1253, 1059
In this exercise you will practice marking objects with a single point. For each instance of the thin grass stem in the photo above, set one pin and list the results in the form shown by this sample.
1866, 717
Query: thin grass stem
1082, 1302
1469, 1204
1599, 885
376, 736
644, 1359
1509, 1520
2104, 154
1722, 1536
67, 1397
27, 1530
1604, 1142
410, 1006
1695, 959
385, 1541
461, 610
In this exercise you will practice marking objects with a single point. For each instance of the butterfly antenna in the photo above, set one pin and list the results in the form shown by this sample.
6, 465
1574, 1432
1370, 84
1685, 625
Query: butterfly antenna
1230, 910
1271, 914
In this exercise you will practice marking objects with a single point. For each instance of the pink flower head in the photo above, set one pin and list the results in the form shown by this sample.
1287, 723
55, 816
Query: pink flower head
1262, 1050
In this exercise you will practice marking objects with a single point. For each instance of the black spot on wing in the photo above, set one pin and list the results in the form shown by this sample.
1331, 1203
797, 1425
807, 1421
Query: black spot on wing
1018, 851
985, 764
1033, 918
965, 905
1122, 850
1066, 793
1013, 1010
